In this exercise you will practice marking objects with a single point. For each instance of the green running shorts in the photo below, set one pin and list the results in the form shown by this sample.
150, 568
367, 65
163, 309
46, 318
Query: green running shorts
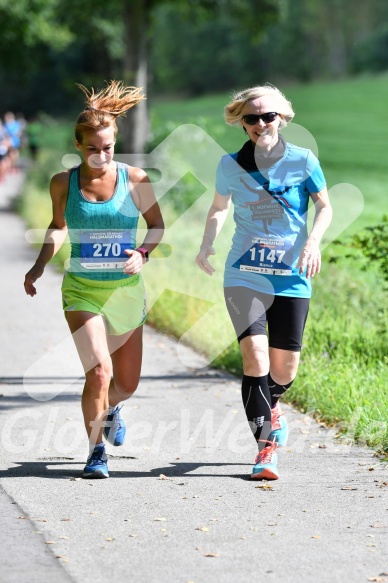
122, 303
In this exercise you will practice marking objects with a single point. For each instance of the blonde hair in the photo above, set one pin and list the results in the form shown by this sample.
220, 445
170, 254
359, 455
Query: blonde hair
104, 107
234, 110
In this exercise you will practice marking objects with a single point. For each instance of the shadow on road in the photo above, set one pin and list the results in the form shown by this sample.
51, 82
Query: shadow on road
50, 469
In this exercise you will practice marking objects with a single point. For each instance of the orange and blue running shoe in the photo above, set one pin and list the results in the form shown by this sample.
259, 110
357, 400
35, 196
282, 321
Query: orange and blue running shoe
279, 424
265, 467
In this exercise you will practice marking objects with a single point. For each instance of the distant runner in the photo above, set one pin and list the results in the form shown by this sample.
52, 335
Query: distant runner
272, 259
98, 203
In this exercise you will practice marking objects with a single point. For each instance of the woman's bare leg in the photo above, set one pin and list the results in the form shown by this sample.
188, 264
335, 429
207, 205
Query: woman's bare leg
126, 360
90, 338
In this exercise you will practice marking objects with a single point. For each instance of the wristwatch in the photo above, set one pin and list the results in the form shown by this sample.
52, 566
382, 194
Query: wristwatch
144, 252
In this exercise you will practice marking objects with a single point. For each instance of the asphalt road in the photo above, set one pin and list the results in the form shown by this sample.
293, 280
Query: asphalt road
179, 505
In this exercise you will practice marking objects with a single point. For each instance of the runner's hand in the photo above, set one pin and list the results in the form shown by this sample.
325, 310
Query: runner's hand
134, 263
310, 258
31, 277
201, 259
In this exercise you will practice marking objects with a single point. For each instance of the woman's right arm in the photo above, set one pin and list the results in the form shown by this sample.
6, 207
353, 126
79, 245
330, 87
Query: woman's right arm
215, 219
55, 234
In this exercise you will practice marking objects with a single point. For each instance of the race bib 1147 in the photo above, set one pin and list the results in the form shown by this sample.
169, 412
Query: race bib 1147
267, 256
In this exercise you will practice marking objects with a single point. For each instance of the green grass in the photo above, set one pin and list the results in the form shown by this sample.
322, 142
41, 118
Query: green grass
342, 377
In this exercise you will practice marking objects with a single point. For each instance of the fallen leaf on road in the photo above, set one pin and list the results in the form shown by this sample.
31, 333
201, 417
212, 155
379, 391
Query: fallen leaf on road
349, 488
51, 542
378, 525
377, 579
160, 519
203, 528
265, 486
316, 536
34, 519
163, 477
75, 479
211, 555
109, 538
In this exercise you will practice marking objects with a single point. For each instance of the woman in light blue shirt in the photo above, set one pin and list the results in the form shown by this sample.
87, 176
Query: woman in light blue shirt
272, 258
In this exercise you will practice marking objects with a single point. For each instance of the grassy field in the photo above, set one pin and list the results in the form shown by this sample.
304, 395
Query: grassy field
343, 375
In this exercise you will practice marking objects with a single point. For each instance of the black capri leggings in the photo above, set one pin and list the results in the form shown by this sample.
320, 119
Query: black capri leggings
251, 311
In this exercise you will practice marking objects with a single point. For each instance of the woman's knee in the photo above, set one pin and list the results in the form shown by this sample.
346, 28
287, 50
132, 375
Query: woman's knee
126, 388
99, 376
254, 350
284, 366
282, 377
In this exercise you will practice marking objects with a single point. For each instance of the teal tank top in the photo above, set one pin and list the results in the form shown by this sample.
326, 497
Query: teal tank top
100, 231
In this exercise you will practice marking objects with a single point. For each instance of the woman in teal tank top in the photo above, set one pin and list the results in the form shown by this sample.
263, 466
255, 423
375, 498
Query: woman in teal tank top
97, 204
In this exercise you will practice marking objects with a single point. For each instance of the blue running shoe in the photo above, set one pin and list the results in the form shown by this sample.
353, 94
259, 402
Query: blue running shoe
265, 467
96, 466
115, 428
279, 426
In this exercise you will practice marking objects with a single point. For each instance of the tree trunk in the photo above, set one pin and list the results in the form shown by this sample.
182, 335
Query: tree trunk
337, 54
135, 126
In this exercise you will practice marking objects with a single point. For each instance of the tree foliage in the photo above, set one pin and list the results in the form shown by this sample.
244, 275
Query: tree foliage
193, 46
369, 248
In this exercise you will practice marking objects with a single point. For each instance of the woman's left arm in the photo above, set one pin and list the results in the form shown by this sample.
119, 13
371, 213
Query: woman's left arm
310, 257
145, 200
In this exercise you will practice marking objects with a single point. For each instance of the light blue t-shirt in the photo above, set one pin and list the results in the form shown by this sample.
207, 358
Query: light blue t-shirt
270, 212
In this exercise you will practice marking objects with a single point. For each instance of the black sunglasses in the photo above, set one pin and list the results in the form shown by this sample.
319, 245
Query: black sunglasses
252, 118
